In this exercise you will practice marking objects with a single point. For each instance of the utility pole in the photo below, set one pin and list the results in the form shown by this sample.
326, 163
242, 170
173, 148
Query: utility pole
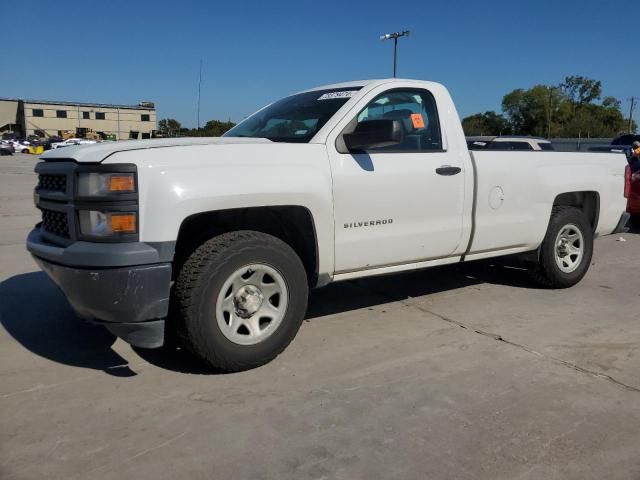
633, 104
395, 36
199, 84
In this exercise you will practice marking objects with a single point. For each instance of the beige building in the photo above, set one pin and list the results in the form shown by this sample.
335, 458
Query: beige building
8, 115
49, 118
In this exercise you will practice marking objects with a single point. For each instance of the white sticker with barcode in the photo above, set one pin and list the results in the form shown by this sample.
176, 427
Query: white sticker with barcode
334, 95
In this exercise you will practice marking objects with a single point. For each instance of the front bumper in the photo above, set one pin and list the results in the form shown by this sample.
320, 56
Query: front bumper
131, 301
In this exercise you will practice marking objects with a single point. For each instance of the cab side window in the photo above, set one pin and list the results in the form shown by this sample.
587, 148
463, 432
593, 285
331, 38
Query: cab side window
416, 110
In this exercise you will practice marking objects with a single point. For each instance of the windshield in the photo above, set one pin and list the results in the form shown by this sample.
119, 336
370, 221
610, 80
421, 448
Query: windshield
296, 118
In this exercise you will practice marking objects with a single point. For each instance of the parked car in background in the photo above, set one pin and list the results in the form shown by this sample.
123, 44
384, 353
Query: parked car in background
72, 141
611, 148
8, 144
87, 142
621, 144
51, 140
65, 143
478, 142
6, 149
21, 146
520, 143
509, 143
625, 139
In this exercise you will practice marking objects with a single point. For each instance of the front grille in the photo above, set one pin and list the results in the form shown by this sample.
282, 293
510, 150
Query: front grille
55, 222
53, 183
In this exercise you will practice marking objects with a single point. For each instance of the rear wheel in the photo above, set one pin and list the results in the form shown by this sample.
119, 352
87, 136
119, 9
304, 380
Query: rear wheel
241, 298
566, 251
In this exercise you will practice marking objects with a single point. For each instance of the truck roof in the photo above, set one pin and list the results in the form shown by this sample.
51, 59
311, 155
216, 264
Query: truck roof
368, 83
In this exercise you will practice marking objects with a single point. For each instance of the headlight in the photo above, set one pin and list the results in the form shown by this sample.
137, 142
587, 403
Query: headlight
106, 184
96, 223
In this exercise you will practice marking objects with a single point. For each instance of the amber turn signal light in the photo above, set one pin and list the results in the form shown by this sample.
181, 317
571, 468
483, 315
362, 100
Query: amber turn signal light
122, 183
123, 222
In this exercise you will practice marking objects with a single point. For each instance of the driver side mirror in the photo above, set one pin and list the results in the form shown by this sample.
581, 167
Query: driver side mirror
374, 134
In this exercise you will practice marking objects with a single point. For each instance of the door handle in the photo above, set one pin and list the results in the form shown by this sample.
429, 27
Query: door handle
448, 170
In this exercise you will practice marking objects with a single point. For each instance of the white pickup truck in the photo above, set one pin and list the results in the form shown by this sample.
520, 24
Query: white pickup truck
223, 237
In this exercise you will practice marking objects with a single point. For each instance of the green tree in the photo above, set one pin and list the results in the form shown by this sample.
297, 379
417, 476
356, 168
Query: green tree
169, 126
612, 102
566, 110
592, 120
213, 128
581, 90
515, 108
589, 119
533, 111
216, 128
487, 123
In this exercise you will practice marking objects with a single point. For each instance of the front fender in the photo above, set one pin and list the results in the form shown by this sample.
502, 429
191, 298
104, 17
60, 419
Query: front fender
176, 183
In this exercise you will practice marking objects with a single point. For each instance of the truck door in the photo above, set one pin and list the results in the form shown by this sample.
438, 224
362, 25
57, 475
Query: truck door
400, 203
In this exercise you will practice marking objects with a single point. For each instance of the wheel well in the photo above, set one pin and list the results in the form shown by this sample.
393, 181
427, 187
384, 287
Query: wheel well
291, 224
588, 202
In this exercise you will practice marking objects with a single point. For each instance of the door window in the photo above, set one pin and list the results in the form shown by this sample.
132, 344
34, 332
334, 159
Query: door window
416, 111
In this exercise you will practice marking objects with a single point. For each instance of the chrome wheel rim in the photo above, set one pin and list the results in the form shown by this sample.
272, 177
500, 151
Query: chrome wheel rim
251, 304
569, 248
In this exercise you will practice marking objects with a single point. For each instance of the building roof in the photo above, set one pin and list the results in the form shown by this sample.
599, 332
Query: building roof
81, 104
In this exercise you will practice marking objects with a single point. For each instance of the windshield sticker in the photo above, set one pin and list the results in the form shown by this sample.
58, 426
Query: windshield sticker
334, 95
417, 120
301, 132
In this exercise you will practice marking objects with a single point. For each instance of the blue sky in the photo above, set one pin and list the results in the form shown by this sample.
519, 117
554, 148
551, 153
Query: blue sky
257, 51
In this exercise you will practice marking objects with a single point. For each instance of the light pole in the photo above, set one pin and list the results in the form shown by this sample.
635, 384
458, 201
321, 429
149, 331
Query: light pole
199, 84
633, 101
395, 36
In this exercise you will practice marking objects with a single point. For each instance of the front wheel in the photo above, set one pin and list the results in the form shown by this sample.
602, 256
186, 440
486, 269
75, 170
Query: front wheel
241, 298
566, 251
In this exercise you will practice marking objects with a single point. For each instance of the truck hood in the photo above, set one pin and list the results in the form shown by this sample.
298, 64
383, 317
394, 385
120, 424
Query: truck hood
95, 153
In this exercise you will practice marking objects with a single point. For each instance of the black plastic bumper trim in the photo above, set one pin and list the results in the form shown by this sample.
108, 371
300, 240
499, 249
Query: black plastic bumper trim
143, 334
92, 255
116, 295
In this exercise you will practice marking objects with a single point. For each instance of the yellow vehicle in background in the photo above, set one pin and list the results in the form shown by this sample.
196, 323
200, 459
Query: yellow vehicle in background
36, 149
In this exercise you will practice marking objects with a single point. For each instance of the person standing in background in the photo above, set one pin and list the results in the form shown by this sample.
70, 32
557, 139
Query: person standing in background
634, 161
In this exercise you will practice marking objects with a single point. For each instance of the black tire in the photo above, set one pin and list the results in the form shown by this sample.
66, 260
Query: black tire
547, 272
199, 284
634, 221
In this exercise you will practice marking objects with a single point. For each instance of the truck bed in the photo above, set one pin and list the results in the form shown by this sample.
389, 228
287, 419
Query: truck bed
513, 191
